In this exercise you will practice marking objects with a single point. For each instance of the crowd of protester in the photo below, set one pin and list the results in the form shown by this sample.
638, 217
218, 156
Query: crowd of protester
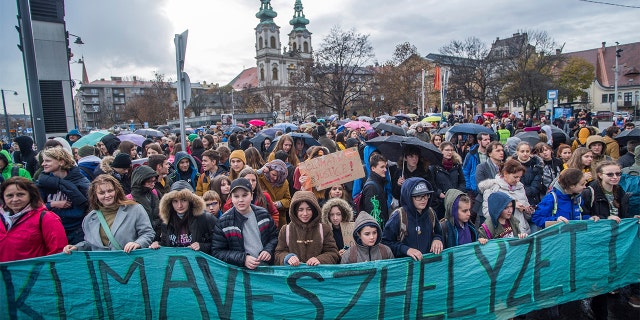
250, 205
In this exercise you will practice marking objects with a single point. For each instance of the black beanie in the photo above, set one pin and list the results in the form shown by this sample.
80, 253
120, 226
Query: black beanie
322, 131
122, 161
111, 142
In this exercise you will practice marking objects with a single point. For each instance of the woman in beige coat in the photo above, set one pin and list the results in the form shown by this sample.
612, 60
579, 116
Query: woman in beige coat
338, 214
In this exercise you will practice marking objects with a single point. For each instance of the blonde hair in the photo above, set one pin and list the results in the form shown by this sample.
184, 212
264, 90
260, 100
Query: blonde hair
60, 154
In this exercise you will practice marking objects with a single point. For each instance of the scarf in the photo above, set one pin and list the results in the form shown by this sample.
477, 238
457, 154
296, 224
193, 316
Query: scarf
280, 167
447, 163
109, 214
11, 219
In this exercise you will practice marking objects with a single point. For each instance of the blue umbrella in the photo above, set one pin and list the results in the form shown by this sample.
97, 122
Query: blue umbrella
270, 132
470, 128
284, 125
258, 139
149, 133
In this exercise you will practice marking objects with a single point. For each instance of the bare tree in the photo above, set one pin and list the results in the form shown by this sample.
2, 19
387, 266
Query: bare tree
155, 106
198, 104
343, 69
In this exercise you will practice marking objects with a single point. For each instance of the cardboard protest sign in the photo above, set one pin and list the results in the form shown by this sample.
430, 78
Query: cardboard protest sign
499, 280
334, 168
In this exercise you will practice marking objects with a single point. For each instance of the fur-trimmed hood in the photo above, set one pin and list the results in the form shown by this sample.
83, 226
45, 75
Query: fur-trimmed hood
196, 203
345, 208
105, 164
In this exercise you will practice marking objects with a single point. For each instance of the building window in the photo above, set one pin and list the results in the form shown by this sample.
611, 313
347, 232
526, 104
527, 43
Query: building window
605, 98
628, 97
273, 42
261, 74
275, 73
294, 46
305, 47
612, 98
260, 43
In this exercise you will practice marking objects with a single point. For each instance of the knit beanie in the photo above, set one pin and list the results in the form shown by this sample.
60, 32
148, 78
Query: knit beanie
86, 151
122, 161
238, 154
192, 137
322, 131
111, 142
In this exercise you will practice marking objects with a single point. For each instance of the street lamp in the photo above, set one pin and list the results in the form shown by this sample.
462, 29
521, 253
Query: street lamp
78, 39
6, 115
379, 101
615, 97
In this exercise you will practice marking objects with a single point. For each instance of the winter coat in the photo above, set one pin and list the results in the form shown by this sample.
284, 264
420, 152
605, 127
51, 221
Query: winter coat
516, 193
444, 180
328, 143
191, 175
550, 172
346, 226
499, 201
601, 207
471, 162
269, 206
364, 252
27, 155
7, 172
429, 230
358, 184
163, 186
74, 187
450, 226
612, 148
27, 238
281, 194
485, 171
566, 205
130, 225
148, 198
228, 244
532, 178
306, 240
418, 172
373, 198
204, 180
199, 229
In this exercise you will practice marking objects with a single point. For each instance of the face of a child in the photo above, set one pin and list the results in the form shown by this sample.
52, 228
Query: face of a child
336, 192
577, 188
304, 212
335, 216
368, 236
241, 200
252, 178
464, 211
225, 187
236, 164
183, 165
566, 154
507, 212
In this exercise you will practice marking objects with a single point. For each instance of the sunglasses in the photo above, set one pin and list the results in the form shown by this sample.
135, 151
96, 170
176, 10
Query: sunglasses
611, 174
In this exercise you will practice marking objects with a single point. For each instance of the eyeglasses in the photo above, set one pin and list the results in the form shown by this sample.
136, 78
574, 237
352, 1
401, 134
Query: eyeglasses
422, 197
611, 174
212, 204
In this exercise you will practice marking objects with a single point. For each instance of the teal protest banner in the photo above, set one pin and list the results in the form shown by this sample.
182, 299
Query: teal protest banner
501, 279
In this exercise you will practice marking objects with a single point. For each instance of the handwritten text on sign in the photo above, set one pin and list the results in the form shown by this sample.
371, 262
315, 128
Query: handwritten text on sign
334, 168
501, 279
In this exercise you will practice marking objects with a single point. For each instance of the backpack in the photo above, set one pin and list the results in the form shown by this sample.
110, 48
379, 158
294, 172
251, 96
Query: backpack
402, 233
631, 185
357, 200
319, 228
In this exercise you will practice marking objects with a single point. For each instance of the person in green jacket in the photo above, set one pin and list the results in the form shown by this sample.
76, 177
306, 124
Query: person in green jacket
7, 167
503, 133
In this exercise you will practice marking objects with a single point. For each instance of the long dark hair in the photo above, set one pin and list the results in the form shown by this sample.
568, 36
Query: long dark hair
258, 196
27, 185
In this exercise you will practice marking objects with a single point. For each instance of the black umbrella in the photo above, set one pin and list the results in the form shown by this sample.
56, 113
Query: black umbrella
307, 138
387, 127
628, 135
258, 139
531, 137
393, 146
149, 133
559, 136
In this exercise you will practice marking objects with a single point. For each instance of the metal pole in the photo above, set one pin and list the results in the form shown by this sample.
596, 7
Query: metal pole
6, 116
422, 94
31, 73
615, 97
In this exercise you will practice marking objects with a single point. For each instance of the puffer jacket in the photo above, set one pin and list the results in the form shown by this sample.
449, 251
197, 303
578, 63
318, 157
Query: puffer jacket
7, 172
306, 240
199, 224
566, 205
364, 252
516, 192
228, 244
451, 226
27, 155
343, 235
612, 147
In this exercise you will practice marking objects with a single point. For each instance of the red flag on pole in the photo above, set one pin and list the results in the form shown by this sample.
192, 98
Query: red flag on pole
437, 82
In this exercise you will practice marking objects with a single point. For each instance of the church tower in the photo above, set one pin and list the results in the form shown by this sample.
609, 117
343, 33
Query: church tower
300, 37
268, 47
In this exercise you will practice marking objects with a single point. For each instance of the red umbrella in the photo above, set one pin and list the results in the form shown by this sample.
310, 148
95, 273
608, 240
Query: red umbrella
257, 123
488, 115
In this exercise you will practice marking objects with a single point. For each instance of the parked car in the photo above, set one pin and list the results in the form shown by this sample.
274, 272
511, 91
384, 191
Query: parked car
625, 115
604, 116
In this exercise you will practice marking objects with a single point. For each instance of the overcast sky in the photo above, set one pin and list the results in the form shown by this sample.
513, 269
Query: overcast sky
127, 38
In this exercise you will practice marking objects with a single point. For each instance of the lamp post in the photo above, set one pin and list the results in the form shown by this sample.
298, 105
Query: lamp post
377, 103
615, 89
6, 115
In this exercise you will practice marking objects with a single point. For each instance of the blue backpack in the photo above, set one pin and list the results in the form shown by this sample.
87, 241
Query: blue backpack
631, 185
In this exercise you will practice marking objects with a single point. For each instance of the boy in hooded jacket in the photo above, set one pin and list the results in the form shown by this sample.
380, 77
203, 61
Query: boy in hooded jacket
367, 235
7, 167
185, 168
502, 224
420, 233
456, 228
